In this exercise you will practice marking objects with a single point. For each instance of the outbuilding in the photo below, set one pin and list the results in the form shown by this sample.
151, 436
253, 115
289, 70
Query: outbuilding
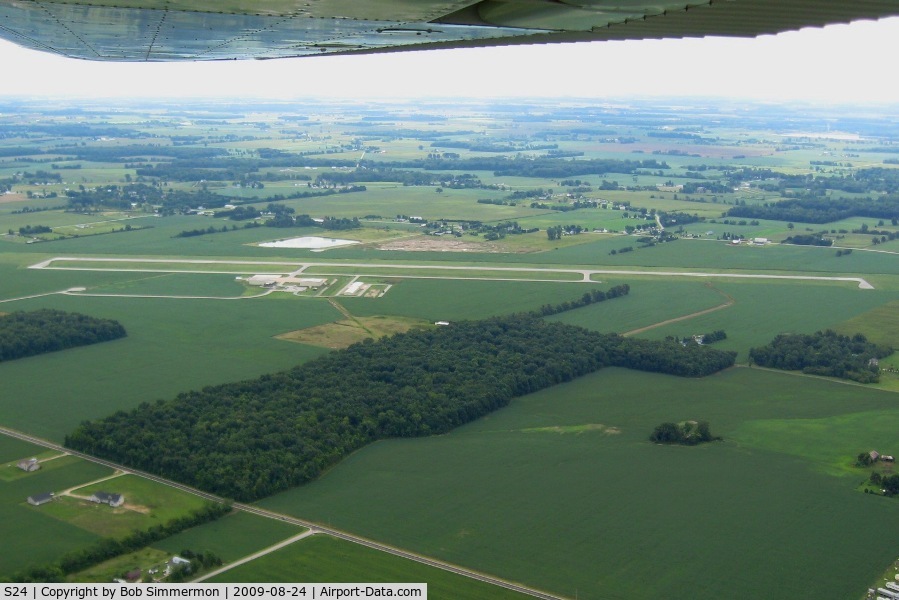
38, 499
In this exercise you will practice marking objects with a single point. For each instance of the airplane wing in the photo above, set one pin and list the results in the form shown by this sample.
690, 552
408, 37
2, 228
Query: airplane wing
192, 30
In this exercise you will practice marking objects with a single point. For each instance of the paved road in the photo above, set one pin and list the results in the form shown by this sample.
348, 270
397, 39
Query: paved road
312, 527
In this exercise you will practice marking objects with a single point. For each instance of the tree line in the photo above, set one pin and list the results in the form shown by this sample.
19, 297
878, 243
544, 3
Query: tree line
171, 200
47, 330
250, 439
823, 353
816, 209
812, 239
525, 166
588, 298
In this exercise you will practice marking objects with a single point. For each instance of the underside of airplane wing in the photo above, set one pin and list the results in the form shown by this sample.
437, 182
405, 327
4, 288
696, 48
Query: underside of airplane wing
190, 30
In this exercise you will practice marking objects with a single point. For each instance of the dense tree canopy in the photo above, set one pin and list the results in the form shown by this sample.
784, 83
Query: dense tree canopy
823, 353
253, 438
30, 333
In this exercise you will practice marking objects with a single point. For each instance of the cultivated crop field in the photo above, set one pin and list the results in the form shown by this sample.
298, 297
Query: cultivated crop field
167, 351
232, 537
761, 310
575, 502
324, 558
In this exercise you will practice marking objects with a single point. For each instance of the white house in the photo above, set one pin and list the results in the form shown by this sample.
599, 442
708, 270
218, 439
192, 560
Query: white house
113, 500
29, 464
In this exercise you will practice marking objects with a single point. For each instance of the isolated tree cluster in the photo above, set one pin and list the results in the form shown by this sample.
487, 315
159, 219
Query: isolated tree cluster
688, 433
823, 353
36, 332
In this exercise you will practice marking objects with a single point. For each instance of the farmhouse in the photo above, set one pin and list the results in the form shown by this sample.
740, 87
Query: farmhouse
39, 499
29, 465
113, 500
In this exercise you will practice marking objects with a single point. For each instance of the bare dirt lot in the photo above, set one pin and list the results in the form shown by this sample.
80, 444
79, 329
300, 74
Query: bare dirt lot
438, 244
7, 198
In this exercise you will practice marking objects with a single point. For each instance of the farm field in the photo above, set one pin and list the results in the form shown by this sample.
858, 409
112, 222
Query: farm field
574, 505
761, 311
232, 537
167, 351
561, 490
324, 558
441, 300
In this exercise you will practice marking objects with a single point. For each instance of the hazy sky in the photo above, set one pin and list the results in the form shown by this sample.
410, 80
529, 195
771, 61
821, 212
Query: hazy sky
842, 63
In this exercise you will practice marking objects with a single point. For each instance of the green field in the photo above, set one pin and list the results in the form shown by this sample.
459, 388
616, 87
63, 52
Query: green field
438, 299
13, 450
880, 324
326, 559
613, 516
649, 301
168, 350
232, 537
762, 310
